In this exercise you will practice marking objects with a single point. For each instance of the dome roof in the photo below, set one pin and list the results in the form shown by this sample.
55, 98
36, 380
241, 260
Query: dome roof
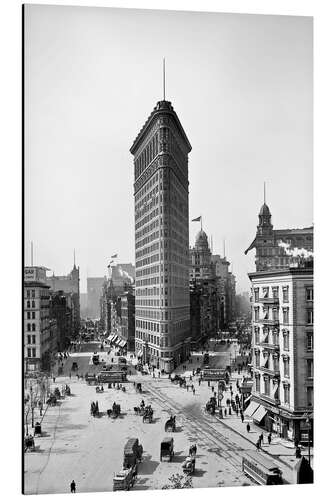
201, 239
264, 210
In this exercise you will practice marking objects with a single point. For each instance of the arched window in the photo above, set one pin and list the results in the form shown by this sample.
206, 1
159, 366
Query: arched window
29, 327
33, 327
33, 304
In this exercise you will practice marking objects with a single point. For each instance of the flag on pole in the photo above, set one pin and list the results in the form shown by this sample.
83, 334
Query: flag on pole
198, 219
114, 256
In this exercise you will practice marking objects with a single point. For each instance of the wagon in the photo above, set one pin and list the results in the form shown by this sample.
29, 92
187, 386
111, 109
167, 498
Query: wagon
167, 449
124, 479
188, 465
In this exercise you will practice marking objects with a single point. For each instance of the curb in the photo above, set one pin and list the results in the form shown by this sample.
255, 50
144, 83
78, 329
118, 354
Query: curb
249, 440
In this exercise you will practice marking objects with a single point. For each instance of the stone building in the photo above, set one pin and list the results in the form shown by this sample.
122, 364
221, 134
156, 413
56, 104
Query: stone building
61, 310
274, 247
39, 332
128, 319
69, 284
94, 292
162, 298
282, 339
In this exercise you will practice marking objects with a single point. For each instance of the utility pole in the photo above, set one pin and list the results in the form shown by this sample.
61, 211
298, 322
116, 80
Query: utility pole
32, 408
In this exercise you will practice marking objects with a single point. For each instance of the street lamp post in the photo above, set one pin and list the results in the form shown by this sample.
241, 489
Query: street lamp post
32, 408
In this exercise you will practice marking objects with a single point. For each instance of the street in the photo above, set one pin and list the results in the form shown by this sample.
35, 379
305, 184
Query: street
89, 450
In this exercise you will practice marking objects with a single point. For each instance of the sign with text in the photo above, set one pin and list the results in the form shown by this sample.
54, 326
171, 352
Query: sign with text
34, 274
213, 374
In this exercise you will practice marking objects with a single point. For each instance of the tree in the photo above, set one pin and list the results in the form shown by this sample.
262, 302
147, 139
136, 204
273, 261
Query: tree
178, 481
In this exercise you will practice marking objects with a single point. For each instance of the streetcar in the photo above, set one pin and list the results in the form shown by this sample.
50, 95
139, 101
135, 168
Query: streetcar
261, 469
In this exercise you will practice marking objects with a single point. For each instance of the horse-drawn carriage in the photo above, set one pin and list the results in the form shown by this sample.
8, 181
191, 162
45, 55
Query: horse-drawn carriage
188, 465
99, 389
132, 453
94, 409
91, 378
138, 388
148, 414
29, 443
114, 412
170, 425
38, 429
124, 479
211, 406
167, 449
52, 400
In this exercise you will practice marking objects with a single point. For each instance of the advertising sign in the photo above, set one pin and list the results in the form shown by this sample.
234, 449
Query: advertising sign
34, 274
213, 374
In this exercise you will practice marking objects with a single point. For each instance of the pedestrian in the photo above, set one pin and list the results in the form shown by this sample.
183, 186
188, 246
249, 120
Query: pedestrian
193, 391
73, 487
212, 388
159, 374
242, 417
54, 380
237, 411
186, 387
230, 388
225, 412
229, 411
269, 438
258, 445
199, 382
261, 439
208, 383
248, 427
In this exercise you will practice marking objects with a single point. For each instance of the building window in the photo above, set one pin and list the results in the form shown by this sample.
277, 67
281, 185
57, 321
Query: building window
29, 352
265, 292
267, 384
309, 396
258, 384
309, 341
256, 295
286, 340
33, 294
28, 304
309, 316
33, 315
29, 339
285, 294
309, 294
33, 304
29, 327
285, 312
33, 327
28, 315
257, 357
275, 291
256, 335
275, 314
286, 367
28, 294
309, 368
286, 390
33, 352
276, 364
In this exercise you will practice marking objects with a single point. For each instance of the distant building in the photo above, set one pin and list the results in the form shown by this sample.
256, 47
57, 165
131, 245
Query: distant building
275, 248
282, 329
128, 319
94, 292
39, 333
83, 304
61, 309
204, 303
162, 301
69, 284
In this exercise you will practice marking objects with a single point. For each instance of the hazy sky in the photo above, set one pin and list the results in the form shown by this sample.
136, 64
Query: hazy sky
241, 86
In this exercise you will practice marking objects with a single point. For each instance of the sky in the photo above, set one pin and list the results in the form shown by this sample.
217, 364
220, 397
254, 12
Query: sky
242, 87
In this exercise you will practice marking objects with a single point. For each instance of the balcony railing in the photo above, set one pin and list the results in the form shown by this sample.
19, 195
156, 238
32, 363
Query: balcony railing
270, 345
269, 300
275, 372
269, 322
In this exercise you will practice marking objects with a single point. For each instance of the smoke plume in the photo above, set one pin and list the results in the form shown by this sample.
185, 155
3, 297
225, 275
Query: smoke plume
295, 252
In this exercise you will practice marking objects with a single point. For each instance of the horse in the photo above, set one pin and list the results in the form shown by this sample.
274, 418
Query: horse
193, 450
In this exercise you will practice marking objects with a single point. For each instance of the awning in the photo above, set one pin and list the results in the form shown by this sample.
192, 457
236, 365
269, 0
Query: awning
115, 339
122, 343
139, 353
247, 399
251, 408
259, 414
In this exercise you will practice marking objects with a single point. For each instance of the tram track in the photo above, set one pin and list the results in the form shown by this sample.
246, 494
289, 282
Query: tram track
214, 441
